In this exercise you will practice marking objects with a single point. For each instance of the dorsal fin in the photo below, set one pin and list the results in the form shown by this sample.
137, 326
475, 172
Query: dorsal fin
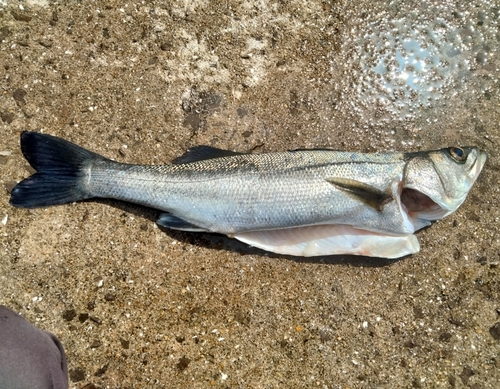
200, 153
316, 149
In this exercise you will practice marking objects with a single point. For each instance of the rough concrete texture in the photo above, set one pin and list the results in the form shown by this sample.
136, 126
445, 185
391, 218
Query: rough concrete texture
137, 306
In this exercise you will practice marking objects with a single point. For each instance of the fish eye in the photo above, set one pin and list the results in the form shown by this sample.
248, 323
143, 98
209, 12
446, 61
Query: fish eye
457, 153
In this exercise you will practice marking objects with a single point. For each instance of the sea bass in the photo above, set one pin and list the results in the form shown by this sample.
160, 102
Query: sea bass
301, 202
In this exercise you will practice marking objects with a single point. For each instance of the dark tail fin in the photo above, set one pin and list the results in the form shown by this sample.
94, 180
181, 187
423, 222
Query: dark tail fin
60, 172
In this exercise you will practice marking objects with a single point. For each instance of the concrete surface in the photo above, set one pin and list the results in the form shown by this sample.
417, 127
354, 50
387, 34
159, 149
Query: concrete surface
137, 306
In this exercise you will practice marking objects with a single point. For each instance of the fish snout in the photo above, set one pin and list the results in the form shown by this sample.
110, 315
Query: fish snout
478, 164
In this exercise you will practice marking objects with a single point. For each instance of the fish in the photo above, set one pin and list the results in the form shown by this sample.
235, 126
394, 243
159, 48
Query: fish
304, 202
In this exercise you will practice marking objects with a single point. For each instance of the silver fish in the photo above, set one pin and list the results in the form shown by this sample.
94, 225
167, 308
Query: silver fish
302, 202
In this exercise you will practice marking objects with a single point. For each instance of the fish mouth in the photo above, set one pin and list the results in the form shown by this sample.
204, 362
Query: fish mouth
420, 208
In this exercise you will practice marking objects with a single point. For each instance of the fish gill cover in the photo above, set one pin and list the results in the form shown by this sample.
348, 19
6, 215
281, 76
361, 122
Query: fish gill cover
408, 57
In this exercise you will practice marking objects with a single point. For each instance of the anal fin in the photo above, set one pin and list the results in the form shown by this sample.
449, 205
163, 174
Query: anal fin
168, 220
310, 241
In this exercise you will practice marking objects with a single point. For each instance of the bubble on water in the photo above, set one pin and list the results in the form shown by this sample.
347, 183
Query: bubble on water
416, 57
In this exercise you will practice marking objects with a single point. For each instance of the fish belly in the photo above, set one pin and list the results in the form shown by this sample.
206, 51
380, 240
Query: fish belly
319, 240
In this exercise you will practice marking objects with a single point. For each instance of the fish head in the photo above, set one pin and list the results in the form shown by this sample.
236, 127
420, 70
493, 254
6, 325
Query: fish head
436, 183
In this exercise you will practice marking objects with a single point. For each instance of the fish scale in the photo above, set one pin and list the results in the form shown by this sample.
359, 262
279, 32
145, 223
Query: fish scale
200, 190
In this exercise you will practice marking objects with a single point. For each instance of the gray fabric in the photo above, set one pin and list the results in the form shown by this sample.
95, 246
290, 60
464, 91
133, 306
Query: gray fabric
29, 358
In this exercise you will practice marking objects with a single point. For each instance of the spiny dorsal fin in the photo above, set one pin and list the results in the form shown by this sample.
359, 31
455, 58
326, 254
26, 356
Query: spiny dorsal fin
200, 153
315, 149
368, 194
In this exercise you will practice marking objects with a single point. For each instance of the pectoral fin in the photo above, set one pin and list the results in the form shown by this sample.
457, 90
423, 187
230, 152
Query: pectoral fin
368, 194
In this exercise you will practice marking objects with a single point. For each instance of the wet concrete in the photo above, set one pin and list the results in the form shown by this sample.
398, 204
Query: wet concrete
139, 306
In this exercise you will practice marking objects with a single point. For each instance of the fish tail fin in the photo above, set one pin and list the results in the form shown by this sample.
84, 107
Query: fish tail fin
60, 176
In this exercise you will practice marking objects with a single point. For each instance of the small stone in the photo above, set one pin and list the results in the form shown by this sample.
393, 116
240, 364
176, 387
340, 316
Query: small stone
409, 344
180, 339
457, 320
95, 344
102, 370
46, 44
77, 374
466, 373
473, 216
109, 297
82, 317
125, 343
495, 331
186, 105
183, 363
69, 27
324, 335
4, 33
444, 337
90, 386
482, 260
144, 226
418, 313
20, 16
69, 314
242, 112
193, 120
19, 95
7, 117
166, 46
153, 61
242, 317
